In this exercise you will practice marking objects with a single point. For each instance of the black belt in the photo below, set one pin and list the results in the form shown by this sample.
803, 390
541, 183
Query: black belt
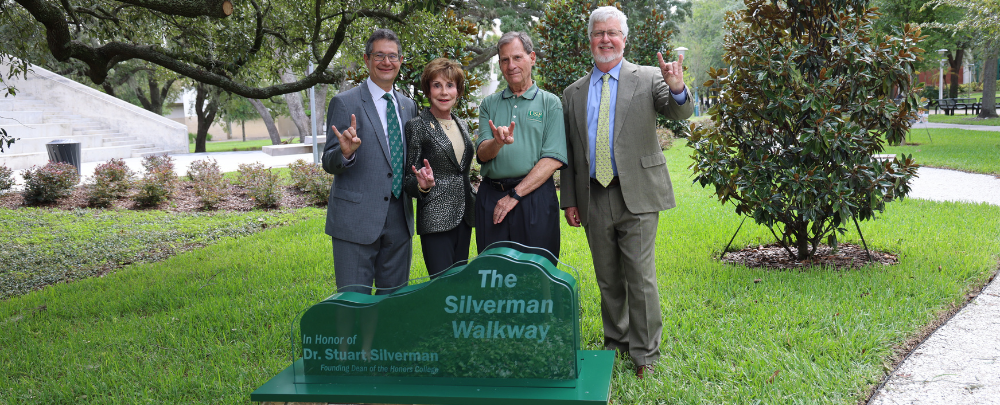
503, 184
614, 182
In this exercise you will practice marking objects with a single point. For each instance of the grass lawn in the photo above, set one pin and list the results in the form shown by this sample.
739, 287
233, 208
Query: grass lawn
230, 146
211, 325
964, 119
973, 151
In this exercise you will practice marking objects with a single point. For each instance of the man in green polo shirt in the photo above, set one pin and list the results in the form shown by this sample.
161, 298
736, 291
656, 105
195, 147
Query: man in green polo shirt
517, 199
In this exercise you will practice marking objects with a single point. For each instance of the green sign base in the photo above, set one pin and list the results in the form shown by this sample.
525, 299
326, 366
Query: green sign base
593, 387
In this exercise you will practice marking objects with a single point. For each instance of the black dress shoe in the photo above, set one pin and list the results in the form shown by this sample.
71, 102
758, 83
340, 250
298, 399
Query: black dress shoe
643, 371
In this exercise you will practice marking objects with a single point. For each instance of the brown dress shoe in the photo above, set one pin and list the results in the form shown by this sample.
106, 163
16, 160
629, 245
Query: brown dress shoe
642, 371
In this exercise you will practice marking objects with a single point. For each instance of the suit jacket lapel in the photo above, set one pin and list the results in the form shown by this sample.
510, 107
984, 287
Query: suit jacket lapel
628, 80
372, 112
580, 95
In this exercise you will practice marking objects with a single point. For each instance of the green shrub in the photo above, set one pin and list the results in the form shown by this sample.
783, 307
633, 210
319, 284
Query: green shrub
312, 180
800, 119
112, 180
49, 183
261, 184
6, 179
159, 181
207, 181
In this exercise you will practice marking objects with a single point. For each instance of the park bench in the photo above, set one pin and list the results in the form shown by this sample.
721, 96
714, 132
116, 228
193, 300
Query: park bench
979, 106
964, 103
947, 105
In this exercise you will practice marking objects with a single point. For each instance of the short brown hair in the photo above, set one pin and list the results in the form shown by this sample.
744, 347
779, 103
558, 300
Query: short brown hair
447, 69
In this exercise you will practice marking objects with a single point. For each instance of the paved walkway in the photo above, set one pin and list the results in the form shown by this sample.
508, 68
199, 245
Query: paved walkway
959, 126
960, 362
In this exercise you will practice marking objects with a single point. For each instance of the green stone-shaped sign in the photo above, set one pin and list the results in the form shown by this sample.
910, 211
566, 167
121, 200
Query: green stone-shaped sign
507, 318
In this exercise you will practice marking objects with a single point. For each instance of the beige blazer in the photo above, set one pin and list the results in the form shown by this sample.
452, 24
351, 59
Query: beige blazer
642, 168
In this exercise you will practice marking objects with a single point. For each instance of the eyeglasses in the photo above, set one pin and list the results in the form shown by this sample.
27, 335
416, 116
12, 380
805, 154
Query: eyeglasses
613, 34
393, 57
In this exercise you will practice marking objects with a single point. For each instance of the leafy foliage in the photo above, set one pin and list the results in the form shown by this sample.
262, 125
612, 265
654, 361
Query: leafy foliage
981, 17
261, 184
158, 184
207, 181
311, 179
112, 180
6, 179
49, 183
564, 48
807, 105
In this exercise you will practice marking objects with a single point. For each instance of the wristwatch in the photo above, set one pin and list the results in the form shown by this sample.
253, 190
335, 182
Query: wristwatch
513, 194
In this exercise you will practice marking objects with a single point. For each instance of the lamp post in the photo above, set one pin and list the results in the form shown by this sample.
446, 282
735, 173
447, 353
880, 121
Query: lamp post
941, 74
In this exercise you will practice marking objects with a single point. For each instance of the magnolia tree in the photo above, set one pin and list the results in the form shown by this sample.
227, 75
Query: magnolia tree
811, 96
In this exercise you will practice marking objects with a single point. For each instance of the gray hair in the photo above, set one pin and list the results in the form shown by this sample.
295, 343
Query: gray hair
509, 37
383, 33
602, 14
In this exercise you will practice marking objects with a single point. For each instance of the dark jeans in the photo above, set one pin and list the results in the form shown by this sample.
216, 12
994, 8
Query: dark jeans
533, 222
443, 249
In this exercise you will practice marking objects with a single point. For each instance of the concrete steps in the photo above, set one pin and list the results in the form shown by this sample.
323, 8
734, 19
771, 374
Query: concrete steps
37, 123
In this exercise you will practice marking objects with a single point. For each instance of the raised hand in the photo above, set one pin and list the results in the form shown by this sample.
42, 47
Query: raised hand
425, 176
349, 141
673, 73
503, 135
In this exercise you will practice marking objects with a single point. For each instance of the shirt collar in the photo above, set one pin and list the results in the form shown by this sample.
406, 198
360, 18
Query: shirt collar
377, 92
528, 95
615, 72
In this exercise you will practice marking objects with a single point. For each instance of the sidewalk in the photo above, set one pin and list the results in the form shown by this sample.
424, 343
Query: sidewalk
995, 128
960, 362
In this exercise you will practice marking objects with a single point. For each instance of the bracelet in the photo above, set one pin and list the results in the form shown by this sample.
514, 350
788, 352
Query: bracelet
422, 189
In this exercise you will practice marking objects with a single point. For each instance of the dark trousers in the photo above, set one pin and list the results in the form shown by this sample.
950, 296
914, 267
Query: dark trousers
384, 264
443, 249
533, 222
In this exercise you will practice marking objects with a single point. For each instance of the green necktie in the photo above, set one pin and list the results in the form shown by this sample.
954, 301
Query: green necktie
395, 146
602, 160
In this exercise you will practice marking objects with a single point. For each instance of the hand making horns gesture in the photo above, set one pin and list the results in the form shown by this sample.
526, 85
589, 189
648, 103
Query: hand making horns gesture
349, 141
425, 176
672, 73
503, 135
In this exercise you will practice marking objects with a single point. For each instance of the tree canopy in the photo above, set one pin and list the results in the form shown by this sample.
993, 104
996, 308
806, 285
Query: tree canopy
236, 47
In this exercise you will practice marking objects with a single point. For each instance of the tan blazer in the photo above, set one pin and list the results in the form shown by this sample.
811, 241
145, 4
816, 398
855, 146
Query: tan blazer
642, 168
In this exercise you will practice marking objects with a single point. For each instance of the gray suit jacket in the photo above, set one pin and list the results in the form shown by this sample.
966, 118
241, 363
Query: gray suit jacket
642, 168
452, 199
360, 193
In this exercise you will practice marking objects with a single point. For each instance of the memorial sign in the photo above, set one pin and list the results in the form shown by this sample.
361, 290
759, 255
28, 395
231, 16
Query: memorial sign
508, 318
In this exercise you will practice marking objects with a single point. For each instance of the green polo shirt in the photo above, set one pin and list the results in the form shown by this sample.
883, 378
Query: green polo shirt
538, 131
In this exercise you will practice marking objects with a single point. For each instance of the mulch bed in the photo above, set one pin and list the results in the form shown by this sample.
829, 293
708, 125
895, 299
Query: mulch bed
774, 256
183, 200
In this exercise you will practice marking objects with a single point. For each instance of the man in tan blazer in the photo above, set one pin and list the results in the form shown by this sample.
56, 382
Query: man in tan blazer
616, 182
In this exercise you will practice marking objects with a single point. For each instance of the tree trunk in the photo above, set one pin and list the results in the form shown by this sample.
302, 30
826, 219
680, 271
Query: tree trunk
990, 82
272, 130
956, 66
243, 126
229, 130
295, 106
205, 113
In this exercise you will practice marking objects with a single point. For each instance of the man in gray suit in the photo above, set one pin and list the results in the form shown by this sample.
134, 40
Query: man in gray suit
616, 182
369, 216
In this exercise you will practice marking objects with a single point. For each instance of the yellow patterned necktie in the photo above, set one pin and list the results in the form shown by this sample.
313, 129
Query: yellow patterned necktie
602, 160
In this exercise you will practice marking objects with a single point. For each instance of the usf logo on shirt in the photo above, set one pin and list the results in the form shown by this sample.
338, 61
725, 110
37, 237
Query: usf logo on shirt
535, 116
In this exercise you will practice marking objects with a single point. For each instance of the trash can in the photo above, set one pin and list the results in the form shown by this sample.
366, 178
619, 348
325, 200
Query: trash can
65, 151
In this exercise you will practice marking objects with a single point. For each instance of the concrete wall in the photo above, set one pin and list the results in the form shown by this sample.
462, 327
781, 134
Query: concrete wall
116, 114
